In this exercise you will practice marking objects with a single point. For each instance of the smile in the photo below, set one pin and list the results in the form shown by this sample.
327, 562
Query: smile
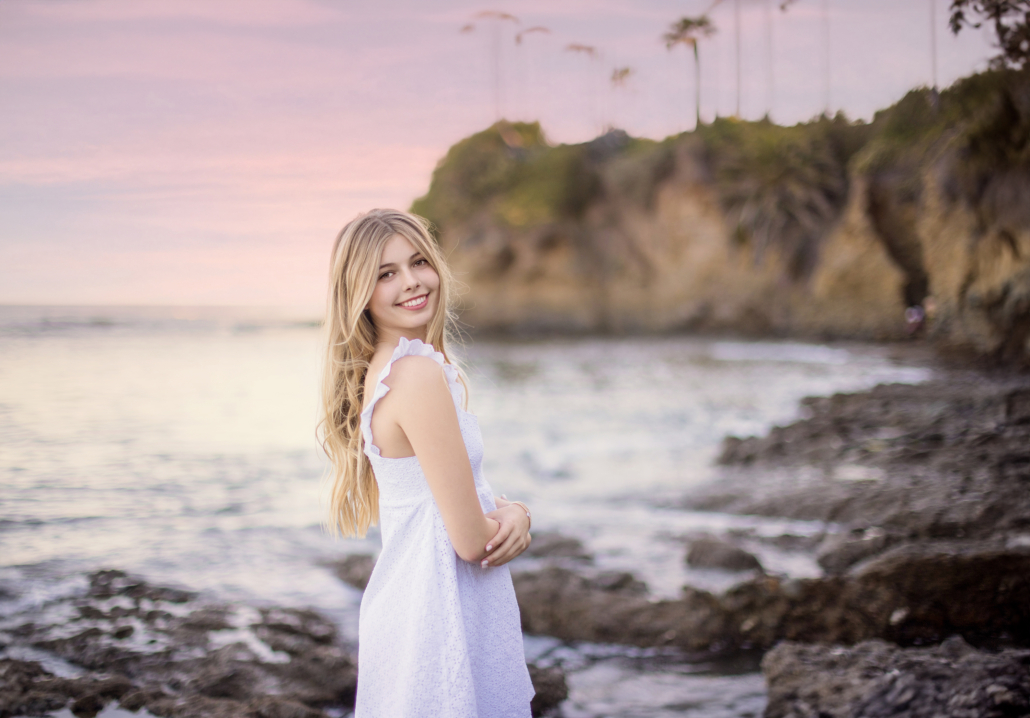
416, 303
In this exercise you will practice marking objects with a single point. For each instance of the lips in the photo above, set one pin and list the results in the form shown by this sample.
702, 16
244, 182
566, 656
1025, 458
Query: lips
415, 302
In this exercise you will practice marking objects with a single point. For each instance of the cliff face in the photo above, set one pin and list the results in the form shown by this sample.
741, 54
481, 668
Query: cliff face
829, 229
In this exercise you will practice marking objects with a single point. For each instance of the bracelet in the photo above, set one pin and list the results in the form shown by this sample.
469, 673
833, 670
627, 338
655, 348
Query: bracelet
526, 509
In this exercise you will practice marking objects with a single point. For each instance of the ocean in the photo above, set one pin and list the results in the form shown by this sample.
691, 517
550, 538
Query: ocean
179, 444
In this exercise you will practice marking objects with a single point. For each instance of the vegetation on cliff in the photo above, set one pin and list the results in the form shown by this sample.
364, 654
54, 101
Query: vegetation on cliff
776, 184
780, 193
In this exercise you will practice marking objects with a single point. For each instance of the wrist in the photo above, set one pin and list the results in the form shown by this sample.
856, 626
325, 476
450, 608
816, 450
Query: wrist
525, 509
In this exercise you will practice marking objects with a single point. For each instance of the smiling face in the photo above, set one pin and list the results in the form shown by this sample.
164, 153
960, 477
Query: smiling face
406, 293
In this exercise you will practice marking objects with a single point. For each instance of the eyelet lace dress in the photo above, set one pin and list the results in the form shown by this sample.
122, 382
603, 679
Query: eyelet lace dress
438, 637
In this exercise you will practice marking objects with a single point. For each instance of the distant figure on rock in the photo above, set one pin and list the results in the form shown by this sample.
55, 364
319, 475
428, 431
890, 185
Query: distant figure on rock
915, 317
439, 631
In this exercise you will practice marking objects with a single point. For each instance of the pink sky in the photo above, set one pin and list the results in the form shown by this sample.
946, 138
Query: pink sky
198, 152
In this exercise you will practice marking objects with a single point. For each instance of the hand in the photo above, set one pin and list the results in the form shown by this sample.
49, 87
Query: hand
512, 536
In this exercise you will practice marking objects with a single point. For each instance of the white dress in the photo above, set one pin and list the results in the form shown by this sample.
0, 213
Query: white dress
438, 637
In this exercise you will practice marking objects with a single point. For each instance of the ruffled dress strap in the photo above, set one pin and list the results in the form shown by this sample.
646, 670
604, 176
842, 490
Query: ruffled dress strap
407, 348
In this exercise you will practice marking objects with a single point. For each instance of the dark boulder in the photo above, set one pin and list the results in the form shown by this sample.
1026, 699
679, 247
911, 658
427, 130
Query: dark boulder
913, 593
875, 679
551, 544
550, 686
354, 570
709, 552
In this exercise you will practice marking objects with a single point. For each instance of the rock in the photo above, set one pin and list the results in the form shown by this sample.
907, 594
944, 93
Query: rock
355, 570
897, 596
840, 552
934, 589
187, 659
550, 687
714, 553
562, 603
953, 457
27, 689
551, 544
88, 705
875, 679
183, 658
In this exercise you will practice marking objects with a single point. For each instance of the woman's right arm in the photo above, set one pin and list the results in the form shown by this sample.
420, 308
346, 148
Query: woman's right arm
421, 404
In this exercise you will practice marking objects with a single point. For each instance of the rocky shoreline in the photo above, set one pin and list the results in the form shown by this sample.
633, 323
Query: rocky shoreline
170, 653
923, 606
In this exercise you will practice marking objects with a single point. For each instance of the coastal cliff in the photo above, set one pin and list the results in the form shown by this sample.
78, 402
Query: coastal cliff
828, 229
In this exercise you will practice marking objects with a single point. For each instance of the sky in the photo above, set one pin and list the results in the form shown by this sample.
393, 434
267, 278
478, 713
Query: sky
206, 152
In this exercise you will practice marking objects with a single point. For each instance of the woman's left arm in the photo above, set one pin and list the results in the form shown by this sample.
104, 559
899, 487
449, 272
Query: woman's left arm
512, 537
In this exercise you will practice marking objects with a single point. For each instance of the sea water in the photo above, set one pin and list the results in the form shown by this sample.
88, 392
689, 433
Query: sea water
179, 444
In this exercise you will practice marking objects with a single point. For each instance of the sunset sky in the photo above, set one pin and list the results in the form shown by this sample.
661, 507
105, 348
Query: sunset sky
207, 152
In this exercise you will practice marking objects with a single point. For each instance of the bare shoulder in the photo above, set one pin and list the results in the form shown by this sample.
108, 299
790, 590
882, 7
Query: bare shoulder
416, 375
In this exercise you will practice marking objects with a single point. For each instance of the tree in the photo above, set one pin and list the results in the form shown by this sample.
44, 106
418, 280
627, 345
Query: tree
688, 31
535, 75
592, 85
496, 18
1011, 20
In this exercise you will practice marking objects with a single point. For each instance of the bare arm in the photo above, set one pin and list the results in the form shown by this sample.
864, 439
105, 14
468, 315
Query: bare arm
421, 402
513, 537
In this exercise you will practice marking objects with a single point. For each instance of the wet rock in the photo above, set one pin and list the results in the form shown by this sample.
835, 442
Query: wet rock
183, 657
840, 552
711, 552
187, 659
274, 707
551, 544
355, 570
550, 687
875, 679
562, 603
935, 589
945, 459
27, 689
88, 705
897, 596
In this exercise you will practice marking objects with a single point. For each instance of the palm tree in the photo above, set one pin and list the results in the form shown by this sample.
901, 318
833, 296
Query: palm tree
933, 43
824, 12
534, 76
496, 18
619, 80
620, 75
591, 53
687, 31
826, 56
770, 60
736, 42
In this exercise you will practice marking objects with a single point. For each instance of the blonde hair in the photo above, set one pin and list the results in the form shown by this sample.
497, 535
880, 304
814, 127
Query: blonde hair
350, 343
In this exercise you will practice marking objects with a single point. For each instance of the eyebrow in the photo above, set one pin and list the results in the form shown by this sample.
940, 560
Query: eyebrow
390, 264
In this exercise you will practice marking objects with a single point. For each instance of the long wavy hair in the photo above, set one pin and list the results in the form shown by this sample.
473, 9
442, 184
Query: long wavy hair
350, 343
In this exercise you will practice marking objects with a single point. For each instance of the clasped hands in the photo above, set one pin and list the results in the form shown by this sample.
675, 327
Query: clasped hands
512, 537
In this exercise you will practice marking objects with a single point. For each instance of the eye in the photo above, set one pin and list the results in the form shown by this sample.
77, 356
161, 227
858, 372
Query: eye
420, 262
384, 275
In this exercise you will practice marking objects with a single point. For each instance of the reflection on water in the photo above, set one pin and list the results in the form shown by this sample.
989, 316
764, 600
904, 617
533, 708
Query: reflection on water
179, 444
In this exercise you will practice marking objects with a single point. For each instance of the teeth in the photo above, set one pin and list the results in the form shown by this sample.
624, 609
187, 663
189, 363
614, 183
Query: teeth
413, 302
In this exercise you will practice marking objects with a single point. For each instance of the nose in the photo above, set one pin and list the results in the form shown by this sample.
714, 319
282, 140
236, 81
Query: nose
410, 279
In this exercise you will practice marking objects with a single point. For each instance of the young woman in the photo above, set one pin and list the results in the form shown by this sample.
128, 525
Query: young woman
439, 633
